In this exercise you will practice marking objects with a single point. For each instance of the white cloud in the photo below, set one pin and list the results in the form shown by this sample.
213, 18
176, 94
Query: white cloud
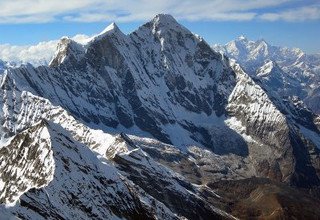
35, 54
31, 11
39, 54
301, 14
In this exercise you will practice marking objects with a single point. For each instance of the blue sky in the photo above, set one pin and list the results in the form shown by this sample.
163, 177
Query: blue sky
292, 23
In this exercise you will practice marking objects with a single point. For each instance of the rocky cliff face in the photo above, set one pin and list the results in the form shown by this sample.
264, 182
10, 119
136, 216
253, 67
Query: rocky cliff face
137, 126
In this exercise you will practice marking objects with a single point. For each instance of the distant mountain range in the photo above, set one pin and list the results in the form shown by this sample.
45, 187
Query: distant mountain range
158, 125
290, 72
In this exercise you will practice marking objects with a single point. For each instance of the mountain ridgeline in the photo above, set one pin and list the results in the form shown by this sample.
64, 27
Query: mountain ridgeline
290, 72
148, 126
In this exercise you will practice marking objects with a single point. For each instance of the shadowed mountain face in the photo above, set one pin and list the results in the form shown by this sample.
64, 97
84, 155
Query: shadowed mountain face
139, 126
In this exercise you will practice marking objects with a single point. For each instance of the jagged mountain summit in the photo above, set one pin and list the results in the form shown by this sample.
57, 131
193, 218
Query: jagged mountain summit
146, 126
300, 72
254, 53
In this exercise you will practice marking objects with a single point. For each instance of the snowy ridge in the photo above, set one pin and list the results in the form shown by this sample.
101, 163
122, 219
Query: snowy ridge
77, 170
33, 151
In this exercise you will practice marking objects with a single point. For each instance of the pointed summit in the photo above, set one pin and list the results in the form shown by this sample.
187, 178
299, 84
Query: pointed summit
66, 49
242, 38
164, 19
113, 27
165, 23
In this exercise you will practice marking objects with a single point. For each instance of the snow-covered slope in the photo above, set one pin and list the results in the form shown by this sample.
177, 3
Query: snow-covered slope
138, 125
83, 187
279, 81
300, 75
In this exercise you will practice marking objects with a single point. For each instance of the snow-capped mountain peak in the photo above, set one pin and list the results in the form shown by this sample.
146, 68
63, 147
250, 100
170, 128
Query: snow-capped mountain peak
242, 38
110, 28
165, 20
163, 23
67, 49
297, 71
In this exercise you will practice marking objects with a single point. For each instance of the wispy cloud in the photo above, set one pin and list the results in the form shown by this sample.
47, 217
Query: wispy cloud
300, 14
42, 11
